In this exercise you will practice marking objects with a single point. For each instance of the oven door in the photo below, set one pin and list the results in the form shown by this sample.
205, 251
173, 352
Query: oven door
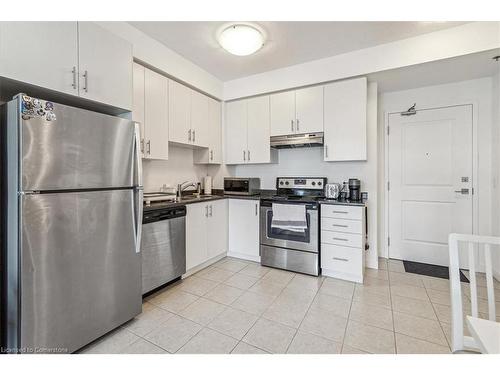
306, 241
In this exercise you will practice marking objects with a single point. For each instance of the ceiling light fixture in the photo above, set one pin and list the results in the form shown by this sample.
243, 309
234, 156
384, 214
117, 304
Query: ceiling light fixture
241, 39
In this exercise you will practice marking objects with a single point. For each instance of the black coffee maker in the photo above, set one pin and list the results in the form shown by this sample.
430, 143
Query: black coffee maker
354, 189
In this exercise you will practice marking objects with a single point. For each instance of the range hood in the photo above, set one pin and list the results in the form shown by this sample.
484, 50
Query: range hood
297, 140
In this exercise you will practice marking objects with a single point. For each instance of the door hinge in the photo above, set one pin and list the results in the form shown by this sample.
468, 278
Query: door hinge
388, 241
388, 186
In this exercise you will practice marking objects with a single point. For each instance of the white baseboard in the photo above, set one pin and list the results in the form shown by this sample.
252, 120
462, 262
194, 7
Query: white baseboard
244, 256
199, 267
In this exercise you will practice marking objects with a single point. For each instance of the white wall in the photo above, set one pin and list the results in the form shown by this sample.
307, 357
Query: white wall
157, 55
477, 92
309, 162
461, 40
178, 168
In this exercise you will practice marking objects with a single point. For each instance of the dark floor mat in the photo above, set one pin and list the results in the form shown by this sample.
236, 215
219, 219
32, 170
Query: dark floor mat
431, 270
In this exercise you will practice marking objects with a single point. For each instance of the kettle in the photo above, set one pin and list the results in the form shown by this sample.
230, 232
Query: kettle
332, 191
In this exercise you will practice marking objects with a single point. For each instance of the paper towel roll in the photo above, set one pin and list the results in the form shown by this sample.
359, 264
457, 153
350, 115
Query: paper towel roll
207, 185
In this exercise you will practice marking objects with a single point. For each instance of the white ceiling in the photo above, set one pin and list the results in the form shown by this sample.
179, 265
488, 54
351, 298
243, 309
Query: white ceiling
288, 43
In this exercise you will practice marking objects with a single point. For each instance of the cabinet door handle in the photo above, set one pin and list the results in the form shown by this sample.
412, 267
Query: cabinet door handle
194, 135
340, 212
189, 135
86, 81
206, 211
244, 156
341, 259
340, 239
291, 121
149, 147
297, 127
74, 77
211, 212
340, 225
142, 145
326, 151
248, 155
211, 155
256, 209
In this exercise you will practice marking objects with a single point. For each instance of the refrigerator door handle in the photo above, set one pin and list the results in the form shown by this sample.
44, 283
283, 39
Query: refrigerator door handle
138, 160
138, 211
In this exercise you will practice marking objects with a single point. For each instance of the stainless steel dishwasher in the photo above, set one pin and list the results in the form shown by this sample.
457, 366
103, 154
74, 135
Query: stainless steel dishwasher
163, 246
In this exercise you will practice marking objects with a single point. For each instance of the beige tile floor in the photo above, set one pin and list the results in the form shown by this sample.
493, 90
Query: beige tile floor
236, 306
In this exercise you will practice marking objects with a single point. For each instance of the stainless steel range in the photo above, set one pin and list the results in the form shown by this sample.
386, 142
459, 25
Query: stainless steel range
291, 242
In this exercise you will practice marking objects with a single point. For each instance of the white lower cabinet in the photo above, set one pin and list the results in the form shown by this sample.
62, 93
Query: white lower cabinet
206, 231
244, 229
343, 241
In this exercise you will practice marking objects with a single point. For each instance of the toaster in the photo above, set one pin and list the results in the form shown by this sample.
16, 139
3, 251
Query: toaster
332, 191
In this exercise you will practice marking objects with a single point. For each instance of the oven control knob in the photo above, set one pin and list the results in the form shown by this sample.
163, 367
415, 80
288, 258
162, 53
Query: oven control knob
281, 182
319, 183
313, 183
287, 183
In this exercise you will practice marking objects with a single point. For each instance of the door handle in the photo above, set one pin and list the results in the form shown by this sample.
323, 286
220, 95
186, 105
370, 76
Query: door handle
211, 212
86, 81
189, 135
248, 155
340, 225
326, 151
206, 211
463, 191
340, 239
244, 156
139, 144
297, 127
142, 145
149, 147
292, 124
139, 193
341, 259
211, 155
74, 77
194, 135
256, 209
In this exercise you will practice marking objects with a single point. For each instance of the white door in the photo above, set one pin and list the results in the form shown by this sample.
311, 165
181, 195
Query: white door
244, 228
309, 110
259, 146
236, 132
199, 118
44, 54
283, 113
215, 132
217, 228
105, 62
430, 177
138, 104
179, 106
345, 120
156, 115
196, 234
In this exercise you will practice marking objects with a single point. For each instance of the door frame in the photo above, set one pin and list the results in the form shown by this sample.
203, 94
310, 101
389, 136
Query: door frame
475, 168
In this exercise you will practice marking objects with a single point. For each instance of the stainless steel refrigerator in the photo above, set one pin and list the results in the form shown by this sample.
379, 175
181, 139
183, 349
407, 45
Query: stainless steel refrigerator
71, 225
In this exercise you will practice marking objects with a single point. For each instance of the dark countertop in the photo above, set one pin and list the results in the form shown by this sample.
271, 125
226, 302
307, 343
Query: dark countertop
342, 202
186, 201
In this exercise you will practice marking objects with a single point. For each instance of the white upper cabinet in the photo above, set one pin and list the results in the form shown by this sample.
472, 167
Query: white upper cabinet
236, 132
105, 62
180, 113
282, 113
81, 59
309, 110
212, 154
44, 54
199, 119
150, 109
258, 130
156, 116
345, 120
297, 111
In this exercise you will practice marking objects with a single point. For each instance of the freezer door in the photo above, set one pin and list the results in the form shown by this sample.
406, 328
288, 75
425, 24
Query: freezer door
79, 150
80, 272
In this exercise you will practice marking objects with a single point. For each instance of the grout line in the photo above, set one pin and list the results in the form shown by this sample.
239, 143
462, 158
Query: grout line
347, 321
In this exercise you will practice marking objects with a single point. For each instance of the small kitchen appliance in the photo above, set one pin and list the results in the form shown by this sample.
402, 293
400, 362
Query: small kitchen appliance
354, 189
332, 191
241, 185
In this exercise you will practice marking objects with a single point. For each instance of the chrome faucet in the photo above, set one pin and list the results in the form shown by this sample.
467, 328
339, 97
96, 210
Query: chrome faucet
181, 187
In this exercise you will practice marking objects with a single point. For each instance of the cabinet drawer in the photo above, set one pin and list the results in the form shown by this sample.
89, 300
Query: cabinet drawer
341, 225
341, 259
342, 212
341, 239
